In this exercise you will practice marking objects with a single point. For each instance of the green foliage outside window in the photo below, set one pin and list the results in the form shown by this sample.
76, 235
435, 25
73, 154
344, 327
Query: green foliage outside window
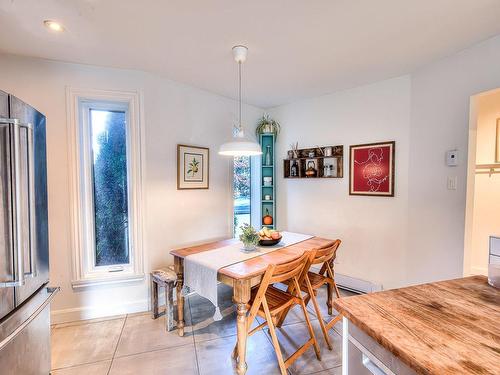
110, 189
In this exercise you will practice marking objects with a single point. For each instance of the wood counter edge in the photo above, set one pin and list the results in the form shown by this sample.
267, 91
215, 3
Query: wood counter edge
379, 336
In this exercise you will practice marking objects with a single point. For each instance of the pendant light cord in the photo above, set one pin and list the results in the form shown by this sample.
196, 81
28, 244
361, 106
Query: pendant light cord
239, 93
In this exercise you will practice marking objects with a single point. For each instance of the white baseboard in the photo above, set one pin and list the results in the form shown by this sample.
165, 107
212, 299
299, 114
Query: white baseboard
95, 312
479, 271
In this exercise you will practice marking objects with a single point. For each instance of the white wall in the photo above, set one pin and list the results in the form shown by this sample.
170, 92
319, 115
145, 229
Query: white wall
486, 205
174, 113
373, 229
440, 121
417, 236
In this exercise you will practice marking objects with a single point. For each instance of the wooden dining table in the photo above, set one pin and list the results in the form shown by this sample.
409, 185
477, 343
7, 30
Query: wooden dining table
242, 277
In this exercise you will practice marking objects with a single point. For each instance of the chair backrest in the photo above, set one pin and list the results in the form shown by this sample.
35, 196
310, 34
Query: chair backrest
276, 273
291, 269
326, 253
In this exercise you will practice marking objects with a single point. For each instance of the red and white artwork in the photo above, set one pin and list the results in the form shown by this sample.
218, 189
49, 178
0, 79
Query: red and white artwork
372, 169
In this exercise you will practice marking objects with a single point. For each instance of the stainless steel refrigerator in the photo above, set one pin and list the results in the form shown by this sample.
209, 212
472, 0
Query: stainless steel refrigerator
24, 244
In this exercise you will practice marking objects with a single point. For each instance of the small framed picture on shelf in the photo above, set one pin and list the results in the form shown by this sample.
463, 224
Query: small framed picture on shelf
371, 169
192, 167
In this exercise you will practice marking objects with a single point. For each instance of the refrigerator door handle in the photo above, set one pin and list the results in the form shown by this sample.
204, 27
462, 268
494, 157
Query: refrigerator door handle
31, 206
23, 325
18, 264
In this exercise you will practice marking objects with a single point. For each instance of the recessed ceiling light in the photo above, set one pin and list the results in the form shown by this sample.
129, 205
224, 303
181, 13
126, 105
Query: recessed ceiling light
53, 25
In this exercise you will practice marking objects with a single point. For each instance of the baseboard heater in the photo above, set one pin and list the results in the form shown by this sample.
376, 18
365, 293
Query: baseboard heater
356, 285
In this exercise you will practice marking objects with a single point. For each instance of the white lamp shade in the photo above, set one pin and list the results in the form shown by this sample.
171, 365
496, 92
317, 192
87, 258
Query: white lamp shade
240, 148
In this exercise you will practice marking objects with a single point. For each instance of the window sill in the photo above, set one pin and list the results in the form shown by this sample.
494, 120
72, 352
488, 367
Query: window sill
76, 284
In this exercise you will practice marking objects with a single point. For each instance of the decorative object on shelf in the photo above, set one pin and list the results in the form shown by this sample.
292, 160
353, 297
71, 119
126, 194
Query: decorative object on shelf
267, 219
295, 149
267, 125
327, 162
267, 197
269, 160
371, 169
192, 167
268, 181
311, 168
249, 237
294, 169
497, 144
240, 145
290, 154
326, 170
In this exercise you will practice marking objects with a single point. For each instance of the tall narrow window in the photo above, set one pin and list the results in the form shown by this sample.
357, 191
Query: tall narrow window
105, 138
241, 193
110, 186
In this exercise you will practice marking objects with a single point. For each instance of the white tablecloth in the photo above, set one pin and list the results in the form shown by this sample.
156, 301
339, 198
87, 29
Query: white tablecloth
200, 270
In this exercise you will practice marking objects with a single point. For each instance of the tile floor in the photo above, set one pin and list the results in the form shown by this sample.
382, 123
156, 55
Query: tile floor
137, 344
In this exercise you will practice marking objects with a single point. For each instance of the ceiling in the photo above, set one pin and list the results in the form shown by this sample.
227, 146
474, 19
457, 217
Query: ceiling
297, 48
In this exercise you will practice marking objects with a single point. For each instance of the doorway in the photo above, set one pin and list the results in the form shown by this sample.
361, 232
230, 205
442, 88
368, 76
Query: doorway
483, 181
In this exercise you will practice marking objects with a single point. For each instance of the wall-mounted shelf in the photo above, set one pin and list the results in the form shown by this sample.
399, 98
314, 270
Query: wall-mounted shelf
267, 142
303, 165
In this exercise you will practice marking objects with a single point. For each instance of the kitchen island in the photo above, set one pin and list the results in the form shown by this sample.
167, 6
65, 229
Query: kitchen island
448, 327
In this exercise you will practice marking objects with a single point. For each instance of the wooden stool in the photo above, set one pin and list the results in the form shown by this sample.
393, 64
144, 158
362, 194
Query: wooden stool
166, 278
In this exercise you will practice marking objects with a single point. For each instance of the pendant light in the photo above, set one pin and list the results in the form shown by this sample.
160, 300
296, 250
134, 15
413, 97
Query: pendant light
240, 145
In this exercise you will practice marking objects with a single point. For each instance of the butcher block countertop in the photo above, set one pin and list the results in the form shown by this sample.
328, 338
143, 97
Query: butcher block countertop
448, 327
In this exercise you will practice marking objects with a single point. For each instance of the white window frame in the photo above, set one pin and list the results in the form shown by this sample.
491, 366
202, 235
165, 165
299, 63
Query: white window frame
79, 102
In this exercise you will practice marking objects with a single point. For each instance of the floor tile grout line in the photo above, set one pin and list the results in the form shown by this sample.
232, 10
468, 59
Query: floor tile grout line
73, 323
320, 371
117, 343
194, 341
78, 365
153, 350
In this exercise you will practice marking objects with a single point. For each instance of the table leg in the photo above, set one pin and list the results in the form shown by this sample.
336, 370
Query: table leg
179, 270
241, 297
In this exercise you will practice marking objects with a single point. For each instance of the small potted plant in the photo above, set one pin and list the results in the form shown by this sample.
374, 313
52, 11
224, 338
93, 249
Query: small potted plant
267, 125
249, 237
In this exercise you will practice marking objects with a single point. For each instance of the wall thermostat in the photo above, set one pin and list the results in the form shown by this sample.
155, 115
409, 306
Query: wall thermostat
452, 158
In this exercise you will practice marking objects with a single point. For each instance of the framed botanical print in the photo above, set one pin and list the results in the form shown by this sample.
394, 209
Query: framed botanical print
371, 169
497, 143
192, 167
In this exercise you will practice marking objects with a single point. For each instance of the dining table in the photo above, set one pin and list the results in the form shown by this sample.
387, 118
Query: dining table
242, 277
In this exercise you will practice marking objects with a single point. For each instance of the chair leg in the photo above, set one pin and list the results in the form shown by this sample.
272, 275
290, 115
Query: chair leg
154, 298
274, 338
336, 289
321, 321
310, 328
329, 298
169, 306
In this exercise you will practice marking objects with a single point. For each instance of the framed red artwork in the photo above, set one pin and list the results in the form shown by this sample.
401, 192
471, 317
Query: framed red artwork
371, 169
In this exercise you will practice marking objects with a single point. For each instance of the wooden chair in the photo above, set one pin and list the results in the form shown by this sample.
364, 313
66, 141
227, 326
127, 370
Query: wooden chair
269, 302
324, 255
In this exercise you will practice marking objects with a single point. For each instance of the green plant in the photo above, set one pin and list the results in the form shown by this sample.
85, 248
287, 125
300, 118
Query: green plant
267, 125
193, 167
249, 235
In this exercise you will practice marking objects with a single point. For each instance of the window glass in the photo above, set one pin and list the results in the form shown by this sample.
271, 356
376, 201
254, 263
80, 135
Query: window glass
109, 168
241, 192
